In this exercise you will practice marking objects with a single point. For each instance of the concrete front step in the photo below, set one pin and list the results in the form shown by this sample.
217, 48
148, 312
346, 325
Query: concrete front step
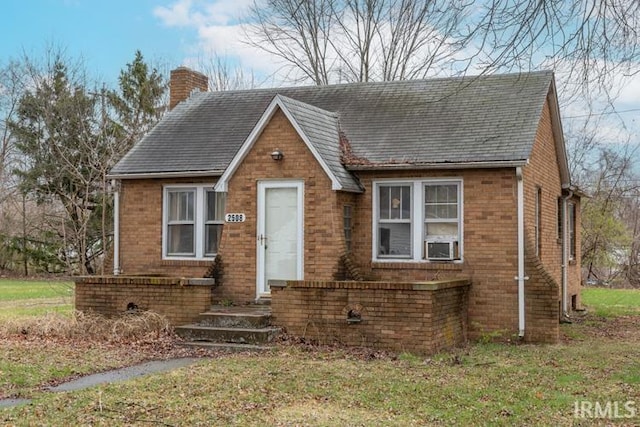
237, 335
232, 347
234, 319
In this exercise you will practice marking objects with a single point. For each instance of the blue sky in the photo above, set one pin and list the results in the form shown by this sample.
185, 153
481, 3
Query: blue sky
105, 34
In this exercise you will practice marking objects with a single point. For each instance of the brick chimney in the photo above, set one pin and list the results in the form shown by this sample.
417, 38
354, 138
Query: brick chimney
182, 83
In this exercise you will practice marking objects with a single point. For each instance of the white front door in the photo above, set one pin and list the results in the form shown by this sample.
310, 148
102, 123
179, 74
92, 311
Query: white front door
280, 235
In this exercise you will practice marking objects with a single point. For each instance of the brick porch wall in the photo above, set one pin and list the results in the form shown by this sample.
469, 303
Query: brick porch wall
421, 318
180, 300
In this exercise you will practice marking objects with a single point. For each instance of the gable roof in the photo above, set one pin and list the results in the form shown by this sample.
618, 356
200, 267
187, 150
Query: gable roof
319, 131
476, 121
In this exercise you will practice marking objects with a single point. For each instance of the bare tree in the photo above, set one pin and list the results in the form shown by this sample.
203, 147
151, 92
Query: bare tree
223, 75
11, 89
360, 40
609, 228
595, 38
298, 32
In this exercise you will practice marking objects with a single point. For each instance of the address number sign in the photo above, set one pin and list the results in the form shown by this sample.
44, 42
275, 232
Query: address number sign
234, 217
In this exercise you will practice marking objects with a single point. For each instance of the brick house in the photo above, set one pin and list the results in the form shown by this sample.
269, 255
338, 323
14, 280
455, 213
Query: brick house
358, 192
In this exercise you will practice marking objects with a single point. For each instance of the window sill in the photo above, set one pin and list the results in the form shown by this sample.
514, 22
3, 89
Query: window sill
417, 265
187, 261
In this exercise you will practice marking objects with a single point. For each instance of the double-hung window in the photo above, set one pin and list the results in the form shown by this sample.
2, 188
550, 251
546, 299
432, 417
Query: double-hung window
213, 221
193, 216
181, 222
418, 220
442, 220
394, 221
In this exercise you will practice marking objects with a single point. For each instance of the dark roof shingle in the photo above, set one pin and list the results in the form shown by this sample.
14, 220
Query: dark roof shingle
446, 120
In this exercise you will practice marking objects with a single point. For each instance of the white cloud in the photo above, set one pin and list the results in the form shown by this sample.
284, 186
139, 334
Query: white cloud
225, 12
629, 87
228, 41
177, 15
220, 31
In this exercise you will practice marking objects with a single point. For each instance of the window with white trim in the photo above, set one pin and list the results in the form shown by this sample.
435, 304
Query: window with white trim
193, 216
418, 220
442, 220
214, 219
394, 221
571, 214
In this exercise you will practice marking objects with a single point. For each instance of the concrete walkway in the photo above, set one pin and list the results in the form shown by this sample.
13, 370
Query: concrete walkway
116, 375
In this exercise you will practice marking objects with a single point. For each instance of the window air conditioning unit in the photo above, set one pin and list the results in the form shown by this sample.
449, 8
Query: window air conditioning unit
440, 250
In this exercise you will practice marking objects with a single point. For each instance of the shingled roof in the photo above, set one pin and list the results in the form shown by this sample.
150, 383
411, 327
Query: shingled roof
445, 121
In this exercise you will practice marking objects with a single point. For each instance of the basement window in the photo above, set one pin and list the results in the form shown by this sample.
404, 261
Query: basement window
193, 216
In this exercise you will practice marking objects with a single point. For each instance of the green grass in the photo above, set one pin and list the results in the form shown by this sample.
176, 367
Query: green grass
483, 384
11, 290
612, 302
488, 384
26, 365
19, 298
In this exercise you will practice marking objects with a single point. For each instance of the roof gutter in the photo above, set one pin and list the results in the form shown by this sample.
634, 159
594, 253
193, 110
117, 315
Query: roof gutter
147, 175
440, 165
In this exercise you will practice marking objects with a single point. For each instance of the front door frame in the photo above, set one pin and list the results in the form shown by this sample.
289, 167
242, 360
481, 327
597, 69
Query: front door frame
261, 229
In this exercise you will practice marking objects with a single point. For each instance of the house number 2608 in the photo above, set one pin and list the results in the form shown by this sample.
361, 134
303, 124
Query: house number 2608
234, 217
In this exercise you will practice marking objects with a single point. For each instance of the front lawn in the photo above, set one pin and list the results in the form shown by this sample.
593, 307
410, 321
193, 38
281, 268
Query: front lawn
612, 302
11, 290
34, 298
598, 361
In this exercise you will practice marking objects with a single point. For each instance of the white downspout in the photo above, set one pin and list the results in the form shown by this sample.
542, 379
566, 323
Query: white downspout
521, 277
565, 253
116, 228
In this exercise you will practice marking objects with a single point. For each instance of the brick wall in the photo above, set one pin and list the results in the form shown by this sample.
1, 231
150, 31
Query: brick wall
141, 230
416, 317
490, 245
542, 309
180, 300
323, 236
543, 173
490, 227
